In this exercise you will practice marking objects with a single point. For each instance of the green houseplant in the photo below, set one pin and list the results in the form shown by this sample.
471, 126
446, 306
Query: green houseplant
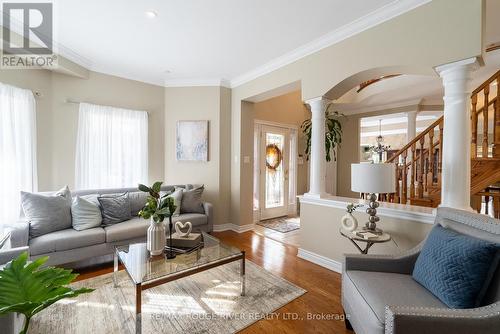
27, 288
333, 133
157, 208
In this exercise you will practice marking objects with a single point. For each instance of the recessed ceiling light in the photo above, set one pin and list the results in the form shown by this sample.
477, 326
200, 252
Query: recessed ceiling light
151, 14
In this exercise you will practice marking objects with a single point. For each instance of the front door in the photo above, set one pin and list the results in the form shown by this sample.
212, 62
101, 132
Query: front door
274, 160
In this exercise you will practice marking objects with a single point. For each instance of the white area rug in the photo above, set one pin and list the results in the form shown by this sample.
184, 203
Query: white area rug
208, 302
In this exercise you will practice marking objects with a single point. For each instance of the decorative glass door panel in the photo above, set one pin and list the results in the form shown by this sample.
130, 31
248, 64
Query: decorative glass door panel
275, 180
274, 171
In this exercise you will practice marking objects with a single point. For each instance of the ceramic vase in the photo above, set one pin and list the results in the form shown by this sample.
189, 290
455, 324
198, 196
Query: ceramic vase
349, 222
156, 238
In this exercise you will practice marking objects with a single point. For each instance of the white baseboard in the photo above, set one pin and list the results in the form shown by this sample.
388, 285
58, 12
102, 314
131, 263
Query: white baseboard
320, 260
233, 227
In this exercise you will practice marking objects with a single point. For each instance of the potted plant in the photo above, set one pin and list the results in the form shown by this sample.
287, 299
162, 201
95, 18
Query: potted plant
157, 208
333, 133
28, 289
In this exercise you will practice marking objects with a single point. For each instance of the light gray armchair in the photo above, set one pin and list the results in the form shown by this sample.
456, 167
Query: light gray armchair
379, 294
11, 323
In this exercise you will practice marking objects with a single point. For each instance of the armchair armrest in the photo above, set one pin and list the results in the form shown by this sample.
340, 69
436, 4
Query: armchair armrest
413, 320
19, 233
402, 263
10, 254
209, 212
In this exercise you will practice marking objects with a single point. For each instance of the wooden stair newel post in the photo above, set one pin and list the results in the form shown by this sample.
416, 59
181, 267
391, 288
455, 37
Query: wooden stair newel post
485, 122
496, 128
412, 181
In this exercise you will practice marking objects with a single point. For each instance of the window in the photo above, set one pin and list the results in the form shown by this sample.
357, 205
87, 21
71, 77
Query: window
17, 149
111, 147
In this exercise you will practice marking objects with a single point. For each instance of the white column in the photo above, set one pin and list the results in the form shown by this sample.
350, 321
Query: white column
317, 172
455, 182
411, 130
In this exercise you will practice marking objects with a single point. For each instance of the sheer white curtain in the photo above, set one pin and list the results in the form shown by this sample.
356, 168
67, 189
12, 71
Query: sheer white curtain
111, 147
17, 149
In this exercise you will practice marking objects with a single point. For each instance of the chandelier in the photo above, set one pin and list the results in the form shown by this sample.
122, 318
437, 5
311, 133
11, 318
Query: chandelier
379, 148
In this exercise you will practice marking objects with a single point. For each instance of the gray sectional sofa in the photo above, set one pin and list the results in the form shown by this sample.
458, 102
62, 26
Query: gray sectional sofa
73, 248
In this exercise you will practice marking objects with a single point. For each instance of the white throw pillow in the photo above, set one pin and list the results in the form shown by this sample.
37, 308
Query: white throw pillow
85, 214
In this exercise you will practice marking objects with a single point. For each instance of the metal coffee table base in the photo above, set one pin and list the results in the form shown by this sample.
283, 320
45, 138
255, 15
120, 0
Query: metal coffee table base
139, 287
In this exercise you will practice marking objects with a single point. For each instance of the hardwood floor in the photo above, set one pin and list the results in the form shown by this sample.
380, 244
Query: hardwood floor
321, 301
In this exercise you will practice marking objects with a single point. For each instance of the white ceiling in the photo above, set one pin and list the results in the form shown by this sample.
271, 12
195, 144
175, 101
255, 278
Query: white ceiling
415, 89
207, 41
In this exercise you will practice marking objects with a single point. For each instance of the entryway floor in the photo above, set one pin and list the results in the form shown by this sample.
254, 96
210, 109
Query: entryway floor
289, 238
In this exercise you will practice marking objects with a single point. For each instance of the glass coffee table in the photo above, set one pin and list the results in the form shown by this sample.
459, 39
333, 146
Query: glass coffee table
148, 271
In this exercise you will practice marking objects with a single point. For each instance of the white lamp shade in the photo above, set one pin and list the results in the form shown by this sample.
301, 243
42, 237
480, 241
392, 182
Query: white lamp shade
373, 178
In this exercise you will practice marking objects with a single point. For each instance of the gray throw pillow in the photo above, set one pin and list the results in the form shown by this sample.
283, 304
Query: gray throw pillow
47, 213
191, 200
137, 201
85, 214
177, 196
115, 208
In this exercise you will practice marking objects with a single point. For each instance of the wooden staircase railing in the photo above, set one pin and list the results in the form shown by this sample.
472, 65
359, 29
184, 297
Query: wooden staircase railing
483, 113
418, 166
419, 163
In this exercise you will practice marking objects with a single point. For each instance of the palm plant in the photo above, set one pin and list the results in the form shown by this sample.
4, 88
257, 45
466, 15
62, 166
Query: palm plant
28, 289
333, 133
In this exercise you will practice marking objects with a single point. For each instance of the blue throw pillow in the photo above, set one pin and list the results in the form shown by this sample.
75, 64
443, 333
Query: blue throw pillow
454, 266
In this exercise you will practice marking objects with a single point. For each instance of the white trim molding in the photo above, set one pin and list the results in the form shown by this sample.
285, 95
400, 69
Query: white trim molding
320, 260
400, 211
233, 227
381, 15
197, 82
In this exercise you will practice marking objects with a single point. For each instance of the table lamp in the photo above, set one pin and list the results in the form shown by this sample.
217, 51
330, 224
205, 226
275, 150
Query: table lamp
373, 179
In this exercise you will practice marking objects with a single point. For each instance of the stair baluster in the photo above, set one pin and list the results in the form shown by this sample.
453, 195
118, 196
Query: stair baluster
485, 121
473, 151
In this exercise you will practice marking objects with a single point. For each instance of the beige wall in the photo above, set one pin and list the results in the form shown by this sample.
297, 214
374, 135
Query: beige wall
57, 121
287, 109
201, 103
319, 232
452, 29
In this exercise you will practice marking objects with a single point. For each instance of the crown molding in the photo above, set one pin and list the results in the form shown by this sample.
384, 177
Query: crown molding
197, 82
366, 22
353, 109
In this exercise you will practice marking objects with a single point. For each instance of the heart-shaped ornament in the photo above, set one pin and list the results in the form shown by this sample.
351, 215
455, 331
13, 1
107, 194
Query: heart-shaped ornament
179, 226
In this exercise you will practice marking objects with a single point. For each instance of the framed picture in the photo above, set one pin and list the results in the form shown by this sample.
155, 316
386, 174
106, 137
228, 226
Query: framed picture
192, 141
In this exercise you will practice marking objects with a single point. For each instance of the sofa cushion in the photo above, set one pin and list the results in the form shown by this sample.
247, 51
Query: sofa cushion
115, 208
454, 266
85, 214
47, 213
130, 229
191, 200
65, 240
196, 219
369, 292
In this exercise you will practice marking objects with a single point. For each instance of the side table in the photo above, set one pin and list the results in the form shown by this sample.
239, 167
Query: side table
384, 237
